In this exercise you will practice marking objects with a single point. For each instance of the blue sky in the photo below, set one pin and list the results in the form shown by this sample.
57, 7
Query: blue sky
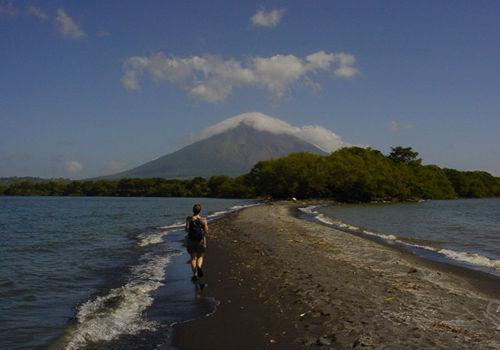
89, 88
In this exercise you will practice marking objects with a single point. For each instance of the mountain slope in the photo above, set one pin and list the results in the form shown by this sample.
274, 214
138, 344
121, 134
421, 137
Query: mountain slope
231, 153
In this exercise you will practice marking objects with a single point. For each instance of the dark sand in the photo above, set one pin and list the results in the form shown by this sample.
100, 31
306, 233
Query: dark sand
286, 283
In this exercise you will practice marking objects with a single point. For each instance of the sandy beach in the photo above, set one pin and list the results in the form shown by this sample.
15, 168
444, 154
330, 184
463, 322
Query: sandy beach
287, 283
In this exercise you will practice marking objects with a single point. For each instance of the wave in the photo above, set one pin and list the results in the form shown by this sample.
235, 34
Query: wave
176, 225
339, 224
471, 258
148, 238
218, 214
120, 311
463, 257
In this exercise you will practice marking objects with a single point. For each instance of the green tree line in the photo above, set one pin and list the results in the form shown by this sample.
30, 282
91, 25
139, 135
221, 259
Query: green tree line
351, 174
217, 186
362, 174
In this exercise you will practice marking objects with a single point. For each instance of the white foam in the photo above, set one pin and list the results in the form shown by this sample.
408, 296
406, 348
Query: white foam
151, 239
339, 224
173, 226
309, 209
152, 267
471, 258
325, 219
146, 239
389, 237
156, 238
96, 322
241, 206
121, 310
218, 213
230, 210
381, 235
420, 246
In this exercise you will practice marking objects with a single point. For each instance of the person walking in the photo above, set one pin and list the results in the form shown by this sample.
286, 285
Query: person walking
197, 229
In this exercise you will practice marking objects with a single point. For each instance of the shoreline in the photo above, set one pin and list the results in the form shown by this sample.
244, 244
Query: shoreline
288, 283
485, 283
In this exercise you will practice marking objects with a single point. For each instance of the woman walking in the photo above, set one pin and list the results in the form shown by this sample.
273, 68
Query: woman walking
197, 229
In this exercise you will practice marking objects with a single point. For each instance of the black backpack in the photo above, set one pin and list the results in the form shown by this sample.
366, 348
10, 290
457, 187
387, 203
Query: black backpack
195, 230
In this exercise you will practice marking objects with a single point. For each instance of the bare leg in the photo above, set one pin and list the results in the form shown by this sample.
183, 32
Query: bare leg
199, 260
193, 263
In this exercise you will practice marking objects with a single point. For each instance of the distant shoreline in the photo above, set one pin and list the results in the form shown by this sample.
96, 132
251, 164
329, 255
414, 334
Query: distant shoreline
293, 284
349, 174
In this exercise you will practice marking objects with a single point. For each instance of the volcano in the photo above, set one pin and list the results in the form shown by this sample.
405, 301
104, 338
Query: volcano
232, 149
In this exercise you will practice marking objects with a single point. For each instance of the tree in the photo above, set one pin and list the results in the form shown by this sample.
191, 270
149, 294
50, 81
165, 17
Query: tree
473, 184
214, 184
21, 188
198, 187
296, 175
52, 188
74, 188
351, 174
99, 188
404, 155
431, 183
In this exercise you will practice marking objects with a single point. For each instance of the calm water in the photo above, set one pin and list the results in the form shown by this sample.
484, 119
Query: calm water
100, 273
464, 232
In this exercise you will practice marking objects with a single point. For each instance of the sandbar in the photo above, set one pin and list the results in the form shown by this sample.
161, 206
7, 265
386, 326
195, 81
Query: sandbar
288, 283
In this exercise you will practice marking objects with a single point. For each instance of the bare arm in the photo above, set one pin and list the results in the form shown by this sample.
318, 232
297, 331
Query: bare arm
186, 227
205, 226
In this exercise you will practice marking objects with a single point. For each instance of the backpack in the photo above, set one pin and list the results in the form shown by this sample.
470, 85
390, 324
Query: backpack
195, 230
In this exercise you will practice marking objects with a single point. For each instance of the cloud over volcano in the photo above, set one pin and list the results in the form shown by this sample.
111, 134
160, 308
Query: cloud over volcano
319, 136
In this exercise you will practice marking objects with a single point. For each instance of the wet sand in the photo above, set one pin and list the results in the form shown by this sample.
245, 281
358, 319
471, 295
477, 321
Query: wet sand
287, 283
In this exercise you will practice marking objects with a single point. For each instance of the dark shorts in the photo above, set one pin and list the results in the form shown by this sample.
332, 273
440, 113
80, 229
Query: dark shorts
197, 247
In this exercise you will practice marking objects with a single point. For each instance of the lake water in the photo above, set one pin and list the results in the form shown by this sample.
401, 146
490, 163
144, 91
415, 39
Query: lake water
112, 273
100, 273
465, 232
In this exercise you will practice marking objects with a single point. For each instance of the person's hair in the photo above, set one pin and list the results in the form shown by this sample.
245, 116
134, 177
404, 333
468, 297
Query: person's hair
196, 209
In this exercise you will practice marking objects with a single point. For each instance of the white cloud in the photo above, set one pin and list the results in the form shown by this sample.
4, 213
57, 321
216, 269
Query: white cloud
67, 27
267, 18
278, 73
346, 71
35, 11
320, 60
212, 79
321, 137
397, 126
323, 60
210, 92
72, 166
130, 80
314, 134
